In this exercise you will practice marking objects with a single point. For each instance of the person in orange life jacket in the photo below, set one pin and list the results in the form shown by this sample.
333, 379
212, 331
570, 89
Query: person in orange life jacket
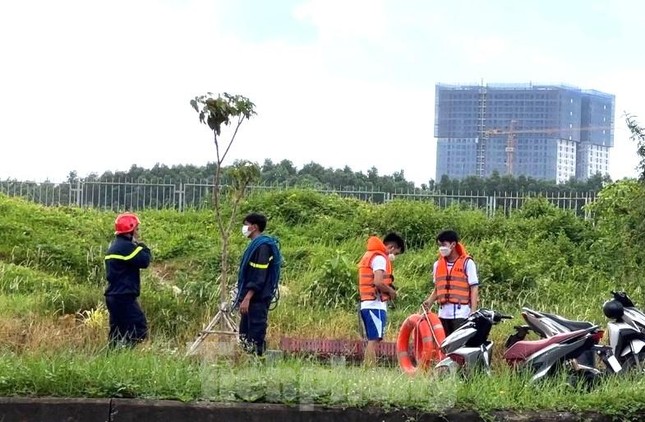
456, 285
124, 259
376, 288
258, 279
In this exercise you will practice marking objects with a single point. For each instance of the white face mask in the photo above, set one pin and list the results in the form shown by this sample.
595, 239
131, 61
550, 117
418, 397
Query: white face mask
246, 231
392, 257
445, 250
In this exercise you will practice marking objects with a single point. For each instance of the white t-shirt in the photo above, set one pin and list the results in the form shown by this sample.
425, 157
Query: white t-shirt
453, 310
378, 264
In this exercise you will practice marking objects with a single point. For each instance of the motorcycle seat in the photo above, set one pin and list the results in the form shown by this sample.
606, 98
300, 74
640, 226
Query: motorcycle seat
571, 325
525, 348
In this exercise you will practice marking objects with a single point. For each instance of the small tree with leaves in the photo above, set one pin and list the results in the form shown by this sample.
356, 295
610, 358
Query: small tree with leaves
637, 134
633, 204
215, 111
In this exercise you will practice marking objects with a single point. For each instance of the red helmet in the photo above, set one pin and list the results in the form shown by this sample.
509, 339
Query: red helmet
126, 223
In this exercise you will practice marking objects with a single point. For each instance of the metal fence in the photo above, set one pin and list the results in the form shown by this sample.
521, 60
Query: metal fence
136, 195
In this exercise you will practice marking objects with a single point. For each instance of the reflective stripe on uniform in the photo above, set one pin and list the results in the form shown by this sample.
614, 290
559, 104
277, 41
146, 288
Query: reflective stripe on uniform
124, 257
261, 266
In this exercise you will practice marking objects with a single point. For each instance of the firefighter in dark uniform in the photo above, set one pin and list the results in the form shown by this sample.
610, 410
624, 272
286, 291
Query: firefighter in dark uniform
125, 257
257, 286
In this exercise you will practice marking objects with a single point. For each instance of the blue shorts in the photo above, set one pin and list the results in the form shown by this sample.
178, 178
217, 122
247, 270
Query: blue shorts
374, 321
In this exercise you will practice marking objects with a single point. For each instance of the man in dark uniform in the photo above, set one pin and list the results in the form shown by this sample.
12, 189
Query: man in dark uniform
125, 257
257, 286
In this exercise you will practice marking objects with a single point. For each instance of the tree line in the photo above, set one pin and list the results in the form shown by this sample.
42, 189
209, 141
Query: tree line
314, 175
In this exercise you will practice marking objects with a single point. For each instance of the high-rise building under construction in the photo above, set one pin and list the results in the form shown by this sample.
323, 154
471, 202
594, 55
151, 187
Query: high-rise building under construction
549, 132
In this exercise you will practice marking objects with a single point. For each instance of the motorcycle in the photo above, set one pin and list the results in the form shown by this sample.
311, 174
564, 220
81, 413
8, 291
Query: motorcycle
546, 325
626, 330
562, 350
469, 348
632, 315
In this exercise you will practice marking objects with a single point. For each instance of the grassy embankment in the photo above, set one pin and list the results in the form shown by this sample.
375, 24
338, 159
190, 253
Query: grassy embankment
53, 323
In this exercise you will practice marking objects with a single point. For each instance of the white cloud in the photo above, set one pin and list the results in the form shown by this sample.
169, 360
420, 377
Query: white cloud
128, 103
345, 19
629, 95
95, 87
482, 50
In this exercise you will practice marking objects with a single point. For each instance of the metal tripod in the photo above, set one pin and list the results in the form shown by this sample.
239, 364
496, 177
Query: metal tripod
222, 320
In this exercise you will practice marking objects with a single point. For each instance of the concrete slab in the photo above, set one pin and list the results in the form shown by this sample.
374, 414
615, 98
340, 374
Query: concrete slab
25, 409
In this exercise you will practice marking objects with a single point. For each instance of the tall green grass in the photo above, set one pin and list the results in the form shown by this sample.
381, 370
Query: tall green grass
162, 373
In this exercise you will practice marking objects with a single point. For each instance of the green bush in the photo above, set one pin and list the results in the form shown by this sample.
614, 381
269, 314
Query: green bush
71, 300
301, 206
15, 279
334, 284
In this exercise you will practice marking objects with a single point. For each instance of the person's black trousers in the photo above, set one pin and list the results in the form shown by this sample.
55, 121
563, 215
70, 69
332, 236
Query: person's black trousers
450, 325
253, 327
128, 323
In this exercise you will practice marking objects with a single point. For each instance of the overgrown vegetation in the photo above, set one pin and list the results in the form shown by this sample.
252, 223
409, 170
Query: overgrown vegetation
53, 324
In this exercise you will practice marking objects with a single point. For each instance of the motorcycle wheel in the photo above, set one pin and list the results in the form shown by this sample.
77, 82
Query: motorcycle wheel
583, 379
630, 363
447, 370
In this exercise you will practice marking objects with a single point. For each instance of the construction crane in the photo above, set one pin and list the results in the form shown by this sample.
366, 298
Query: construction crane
510, 147
511, 140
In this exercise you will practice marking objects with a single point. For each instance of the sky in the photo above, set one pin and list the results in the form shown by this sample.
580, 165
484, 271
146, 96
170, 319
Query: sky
93, 86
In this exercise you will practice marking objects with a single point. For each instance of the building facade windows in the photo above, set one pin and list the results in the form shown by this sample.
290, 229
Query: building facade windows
558, 132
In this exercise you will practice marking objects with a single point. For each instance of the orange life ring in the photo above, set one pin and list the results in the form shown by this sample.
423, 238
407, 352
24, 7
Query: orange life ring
403, 343
438, 336
427, 341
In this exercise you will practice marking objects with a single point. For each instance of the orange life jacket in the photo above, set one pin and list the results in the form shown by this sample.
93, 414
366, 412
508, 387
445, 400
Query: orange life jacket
452, 286
366, 288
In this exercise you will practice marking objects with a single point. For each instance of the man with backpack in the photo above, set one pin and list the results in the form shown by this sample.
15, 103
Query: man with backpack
258, 280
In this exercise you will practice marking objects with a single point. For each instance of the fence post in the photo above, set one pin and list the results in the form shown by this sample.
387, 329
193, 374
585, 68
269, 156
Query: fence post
587, 211
180, 197
494, 203
78, 191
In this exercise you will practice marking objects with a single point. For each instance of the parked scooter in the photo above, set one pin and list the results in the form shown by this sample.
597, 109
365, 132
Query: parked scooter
468, 348
567, 349
547, 325
632, 314
626, 330
626, 342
